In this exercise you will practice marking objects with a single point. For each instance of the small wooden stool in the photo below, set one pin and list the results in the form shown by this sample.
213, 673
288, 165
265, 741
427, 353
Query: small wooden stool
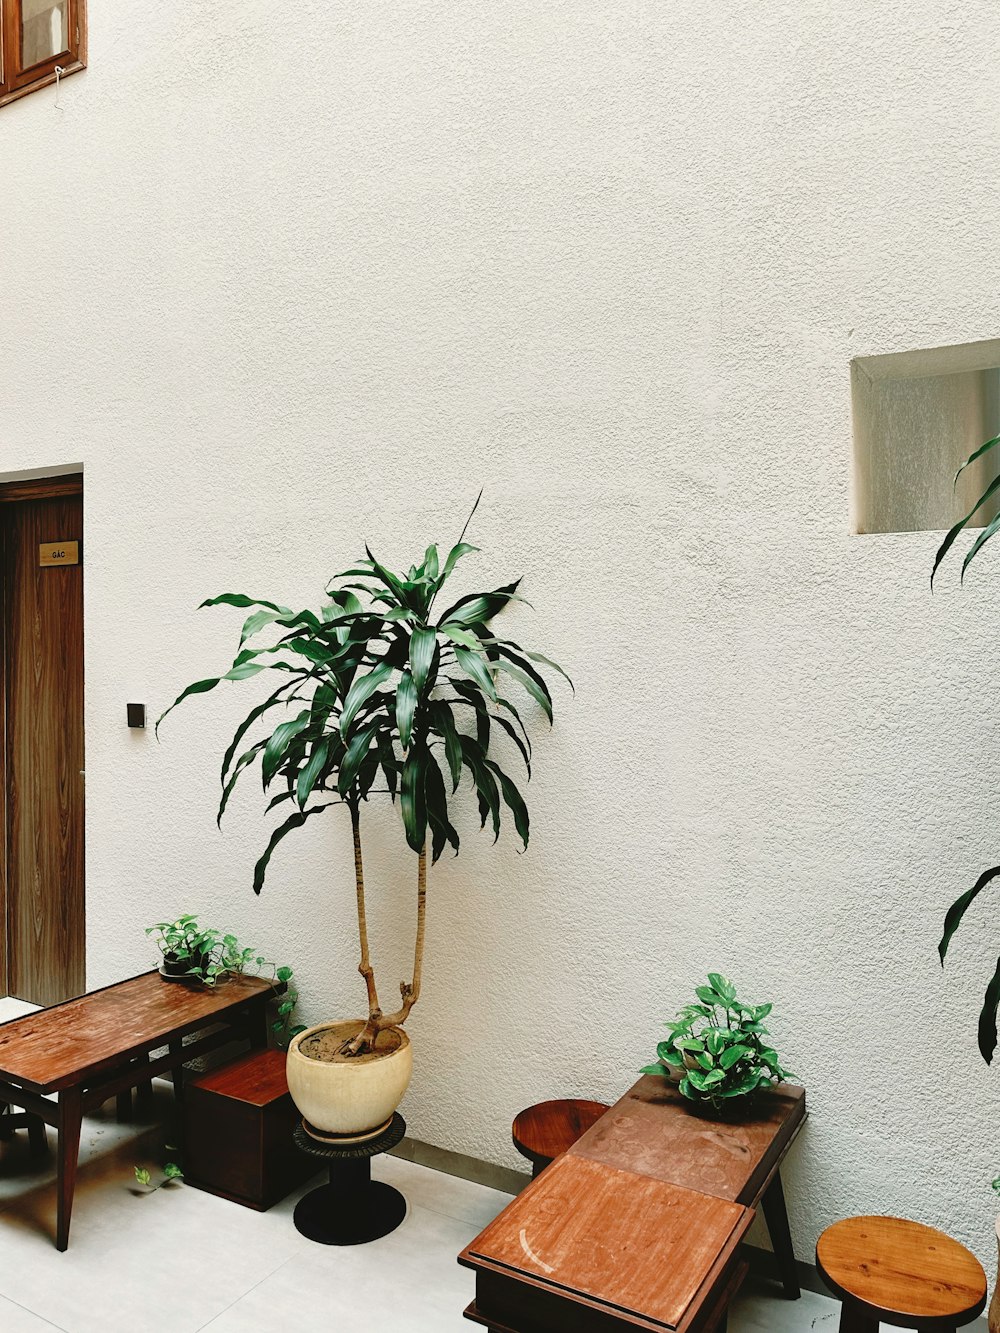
542, 1132
11, 1120
902, 1273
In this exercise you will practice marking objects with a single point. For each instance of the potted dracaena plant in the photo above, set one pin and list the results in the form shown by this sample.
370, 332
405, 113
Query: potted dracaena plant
381, 693
953, 919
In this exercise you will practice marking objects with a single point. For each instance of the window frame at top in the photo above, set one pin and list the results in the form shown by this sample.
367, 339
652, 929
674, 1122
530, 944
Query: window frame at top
16, 82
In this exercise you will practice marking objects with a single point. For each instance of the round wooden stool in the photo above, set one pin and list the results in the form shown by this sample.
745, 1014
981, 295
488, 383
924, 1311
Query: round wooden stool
902, 1273
544, 1131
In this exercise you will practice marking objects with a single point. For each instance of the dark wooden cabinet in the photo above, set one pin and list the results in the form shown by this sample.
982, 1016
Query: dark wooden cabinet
238, 1126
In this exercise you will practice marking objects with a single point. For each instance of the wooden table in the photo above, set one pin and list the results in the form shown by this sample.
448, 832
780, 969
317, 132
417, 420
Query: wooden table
653, 1130
639, 1224
102, 1044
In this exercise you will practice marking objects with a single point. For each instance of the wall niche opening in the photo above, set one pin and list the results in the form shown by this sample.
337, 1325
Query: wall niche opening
917, 416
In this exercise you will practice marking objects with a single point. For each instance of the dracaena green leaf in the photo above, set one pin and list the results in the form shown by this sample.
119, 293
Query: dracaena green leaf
243, 762
475, 668
423, 644
362, 689
310, 772
463, 637
455, 554
412, 802
292, 822
539, 693
280, 739
952, 535
241, 600
977, 454
513, 799
406, 707
444, 721
357, 751
481, 607
961, 905
442, 831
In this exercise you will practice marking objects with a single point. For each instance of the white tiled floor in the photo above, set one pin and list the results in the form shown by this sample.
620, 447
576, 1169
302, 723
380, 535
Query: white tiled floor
179, 1260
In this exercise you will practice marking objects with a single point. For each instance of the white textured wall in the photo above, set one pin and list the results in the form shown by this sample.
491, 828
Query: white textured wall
283, 287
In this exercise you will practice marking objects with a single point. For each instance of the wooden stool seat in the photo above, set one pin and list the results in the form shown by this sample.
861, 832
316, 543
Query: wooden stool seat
902, 1273
541, 1133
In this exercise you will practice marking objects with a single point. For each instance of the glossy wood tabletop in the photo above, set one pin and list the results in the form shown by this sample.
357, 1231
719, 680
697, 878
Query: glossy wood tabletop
257, 1079
626, 1242
58, 1047
654, 1130
542, 1132
900, 1268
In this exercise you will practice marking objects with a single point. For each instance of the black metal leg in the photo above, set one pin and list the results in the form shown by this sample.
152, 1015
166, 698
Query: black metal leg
776, 1217
853, 1319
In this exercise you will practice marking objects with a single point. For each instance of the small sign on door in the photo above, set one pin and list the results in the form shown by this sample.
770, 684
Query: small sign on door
59, 553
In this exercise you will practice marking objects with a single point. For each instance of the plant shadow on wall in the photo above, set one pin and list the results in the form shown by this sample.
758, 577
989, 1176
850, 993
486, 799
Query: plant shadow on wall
391, 698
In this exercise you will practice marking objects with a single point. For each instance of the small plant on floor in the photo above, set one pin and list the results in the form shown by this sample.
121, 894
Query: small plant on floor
718, 1046
172, 1174
209, 956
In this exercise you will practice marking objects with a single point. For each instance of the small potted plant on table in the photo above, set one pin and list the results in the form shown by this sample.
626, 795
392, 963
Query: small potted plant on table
187, 949
718, 1051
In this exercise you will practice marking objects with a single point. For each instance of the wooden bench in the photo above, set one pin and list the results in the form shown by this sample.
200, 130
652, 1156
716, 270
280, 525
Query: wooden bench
639, 1224
99, 1046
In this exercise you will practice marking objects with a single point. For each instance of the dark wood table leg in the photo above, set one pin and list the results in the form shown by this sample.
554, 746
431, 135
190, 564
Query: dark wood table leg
70, 1119
176, 1047
38, 1140
123, 1105
776, 1217
144, 1090
6, 1128
258, 1026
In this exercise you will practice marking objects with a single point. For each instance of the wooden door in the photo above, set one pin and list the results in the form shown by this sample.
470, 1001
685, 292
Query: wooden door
41, 758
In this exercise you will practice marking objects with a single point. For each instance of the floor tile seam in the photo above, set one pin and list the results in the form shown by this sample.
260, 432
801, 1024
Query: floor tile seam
34, 1314
243, 1294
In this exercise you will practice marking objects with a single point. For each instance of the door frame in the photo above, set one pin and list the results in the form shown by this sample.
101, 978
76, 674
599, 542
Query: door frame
14, 492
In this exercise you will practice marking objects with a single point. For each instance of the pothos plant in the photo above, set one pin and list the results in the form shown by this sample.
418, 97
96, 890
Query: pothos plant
955, 914
206, 955
388, 696
718, 1046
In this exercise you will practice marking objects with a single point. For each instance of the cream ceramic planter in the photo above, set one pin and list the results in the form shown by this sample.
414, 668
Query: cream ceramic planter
353, 1099
994, 1315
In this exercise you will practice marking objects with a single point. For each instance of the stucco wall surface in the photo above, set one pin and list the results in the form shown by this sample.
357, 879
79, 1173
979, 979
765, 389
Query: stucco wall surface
283, 287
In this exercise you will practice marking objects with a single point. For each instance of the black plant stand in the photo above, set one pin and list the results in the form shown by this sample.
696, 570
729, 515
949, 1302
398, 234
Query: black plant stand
353, 1209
